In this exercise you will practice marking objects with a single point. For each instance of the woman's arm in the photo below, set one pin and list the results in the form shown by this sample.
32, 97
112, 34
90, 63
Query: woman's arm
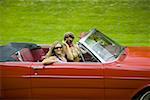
49, 60
68, 52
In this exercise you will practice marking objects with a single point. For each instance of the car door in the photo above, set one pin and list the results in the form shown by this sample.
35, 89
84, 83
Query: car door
122, 81
14, 81
117, 84
68, 81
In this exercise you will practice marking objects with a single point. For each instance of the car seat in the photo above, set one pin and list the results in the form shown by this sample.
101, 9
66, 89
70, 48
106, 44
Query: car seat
25, 55
38, 54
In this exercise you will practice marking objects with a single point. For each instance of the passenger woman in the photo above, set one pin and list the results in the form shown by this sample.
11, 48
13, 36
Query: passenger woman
72, 50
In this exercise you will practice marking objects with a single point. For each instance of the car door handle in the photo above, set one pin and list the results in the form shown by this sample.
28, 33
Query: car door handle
118, 65
37, 67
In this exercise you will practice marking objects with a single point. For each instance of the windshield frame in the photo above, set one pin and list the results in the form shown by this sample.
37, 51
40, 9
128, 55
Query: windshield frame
94, 31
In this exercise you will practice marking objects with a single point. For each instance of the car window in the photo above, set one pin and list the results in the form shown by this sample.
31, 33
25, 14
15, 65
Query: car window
98, 45
86, 55
101, 46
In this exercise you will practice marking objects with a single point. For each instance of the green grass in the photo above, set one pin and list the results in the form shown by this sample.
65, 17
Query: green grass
45, 21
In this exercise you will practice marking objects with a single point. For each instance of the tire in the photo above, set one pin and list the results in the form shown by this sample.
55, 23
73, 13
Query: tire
144, 96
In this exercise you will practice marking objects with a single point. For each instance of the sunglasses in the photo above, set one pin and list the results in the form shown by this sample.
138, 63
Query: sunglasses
58, 48
70, 36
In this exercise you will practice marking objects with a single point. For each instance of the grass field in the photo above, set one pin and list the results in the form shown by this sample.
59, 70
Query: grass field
45, 21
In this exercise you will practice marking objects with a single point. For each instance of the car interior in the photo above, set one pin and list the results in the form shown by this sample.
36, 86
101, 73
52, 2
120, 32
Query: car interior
27, 55
36, 55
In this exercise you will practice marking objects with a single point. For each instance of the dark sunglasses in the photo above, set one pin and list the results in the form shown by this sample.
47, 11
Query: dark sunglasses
57, 47
70, 36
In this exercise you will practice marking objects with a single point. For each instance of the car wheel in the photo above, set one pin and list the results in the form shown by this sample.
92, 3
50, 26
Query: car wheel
144, 96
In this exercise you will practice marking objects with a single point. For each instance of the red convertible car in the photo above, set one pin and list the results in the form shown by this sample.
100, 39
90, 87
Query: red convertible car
107, 71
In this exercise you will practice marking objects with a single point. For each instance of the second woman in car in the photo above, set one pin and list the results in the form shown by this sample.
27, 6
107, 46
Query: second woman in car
72, 50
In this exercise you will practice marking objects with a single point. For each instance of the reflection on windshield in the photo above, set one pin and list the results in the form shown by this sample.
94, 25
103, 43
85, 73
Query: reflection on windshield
103, 46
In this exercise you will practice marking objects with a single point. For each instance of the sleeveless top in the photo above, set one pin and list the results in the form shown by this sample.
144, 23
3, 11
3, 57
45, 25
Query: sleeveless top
59, 59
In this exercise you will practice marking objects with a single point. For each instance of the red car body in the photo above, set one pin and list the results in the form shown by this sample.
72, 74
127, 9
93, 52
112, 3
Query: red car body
126, 78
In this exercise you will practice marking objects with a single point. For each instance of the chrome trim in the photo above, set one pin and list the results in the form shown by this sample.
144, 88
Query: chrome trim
37, 67
63, 76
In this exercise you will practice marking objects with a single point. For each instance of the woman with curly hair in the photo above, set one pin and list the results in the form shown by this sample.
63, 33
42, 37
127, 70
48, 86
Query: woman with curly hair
72, 50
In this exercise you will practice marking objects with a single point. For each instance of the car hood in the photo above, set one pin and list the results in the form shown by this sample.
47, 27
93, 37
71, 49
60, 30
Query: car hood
138, 56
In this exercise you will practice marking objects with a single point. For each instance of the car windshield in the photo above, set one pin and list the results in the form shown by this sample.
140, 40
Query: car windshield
102, 47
